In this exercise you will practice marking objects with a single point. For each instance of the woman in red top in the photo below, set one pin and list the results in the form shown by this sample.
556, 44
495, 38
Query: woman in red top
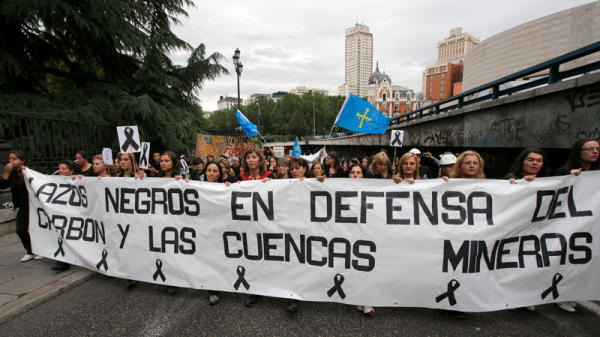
254, 166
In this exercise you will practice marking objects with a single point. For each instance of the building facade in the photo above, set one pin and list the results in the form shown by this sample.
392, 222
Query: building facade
444, 79
301, 90
534, 42
358, 60
226, 102
455, 47
392, 100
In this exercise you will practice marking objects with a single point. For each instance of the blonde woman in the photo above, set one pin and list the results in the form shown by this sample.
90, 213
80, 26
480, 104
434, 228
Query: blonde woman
380, 167
408, 169
469, 164
100, 169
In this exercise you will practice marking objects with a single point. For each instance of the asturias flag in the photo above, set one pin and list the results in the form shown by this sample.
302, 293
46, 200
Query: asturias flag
296, 150
359, 116
249, 129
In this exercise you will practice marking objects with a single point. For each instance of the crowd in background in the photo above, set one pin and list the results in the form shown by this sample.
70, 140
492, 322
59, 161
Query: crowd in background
258, 164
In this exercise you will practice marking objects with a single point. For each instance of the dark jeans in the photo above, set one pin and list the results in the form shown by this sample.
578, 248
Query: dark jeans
23, 228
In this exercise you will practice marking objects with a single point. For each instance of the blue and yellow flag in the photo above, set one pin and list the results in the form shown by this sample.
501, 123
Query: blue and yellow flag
249, 128
359, 116
296, 150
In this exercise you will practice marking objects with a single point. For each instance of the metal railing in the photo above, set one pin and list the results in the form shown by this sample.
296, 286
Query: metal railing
45, 141
553, 76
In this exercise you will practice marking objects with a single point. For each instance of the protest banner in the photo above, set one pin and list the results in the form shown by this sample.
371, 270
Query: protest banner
217, 145
464, 244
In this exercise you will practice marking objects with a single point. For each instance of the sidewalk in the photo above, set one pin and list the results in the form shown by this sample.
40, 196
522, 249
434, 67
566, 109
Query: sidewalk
24, 285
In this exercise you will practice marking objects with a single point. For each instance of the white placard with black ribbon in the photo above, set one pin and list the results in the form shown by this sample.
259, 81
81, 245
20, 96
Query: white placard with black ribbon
463, 244
397, 137
144, 155
129, 139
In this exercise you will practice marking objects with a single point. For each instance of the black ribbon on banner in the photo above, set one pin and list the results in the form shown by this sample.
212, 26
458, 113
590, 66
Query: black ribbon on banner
338, 279
143, 159
129, 141
397, 139
158, 272
452, 286
241, 272
103, 261
553, 288
60, 249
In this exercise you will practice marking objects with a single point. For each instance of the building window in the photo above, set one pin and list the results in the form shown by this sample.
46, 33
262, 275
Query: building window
441, 81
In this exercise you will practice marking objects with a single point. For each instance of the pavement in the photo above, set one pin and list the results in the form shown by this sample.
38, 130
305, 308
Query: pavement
25, 285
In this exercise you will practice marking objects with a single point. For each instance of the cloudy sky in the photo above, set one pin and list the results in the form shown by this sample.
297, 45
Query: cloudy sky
289, 43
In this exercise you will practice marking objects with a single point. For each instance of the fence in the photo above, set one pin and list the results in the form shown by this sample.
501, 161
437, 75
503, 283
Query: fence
45, 141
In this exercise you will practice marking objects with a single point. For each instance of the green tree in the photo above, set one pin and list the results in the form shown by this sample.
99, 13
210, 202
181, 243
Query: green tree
104, 61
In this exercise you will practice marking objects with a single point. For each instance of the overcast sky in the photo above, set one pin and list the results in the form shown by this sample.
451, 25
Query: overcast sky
289, 43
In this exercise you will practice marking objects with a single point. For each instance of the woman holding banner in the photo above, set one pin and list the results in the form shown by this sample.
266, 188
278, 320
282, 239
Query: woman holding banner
169, 165
100, 169
407, 169
213, 173
530, 164
299, 170
469, 164
128, 166
254, 167
65, 169
582, 157
356, 172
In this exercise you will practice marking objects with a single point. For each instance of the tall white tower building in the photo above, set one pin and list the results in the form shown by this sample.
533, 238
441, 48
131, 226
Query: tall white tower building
359, 60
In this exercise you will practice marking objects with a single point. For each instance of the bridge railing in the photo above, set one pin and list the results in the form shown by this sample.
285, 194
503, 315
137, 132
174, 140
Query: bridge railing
554, 75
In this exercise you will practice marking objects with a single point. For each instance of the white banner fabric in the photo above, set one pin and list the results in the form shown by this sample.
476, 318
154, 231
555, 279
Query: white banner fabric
464, 244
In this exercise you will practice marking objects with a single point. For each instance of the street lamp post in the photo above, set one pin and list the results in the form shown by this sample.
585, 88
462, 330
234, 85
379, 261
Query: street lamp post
238, 71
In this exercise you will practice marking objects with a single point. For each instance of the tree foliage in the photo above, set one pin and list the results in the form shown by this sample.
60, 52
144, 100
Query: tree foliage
104, 61
291, 115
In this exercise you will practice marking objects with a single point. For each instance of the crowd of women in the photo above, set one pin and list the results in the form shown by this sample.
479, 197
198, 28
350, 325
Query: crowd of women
254, 165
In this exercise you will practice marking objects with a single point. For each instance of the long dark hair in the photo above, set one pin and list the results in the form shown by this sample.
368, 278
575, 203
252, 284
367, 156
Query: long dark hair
176, 169
574, 159
220, 179
516, 169
336, 159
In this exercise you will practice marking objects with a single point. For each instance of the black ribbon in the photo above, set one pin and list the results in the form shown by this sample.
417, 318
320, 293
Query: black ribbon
338, 279
60, 249
143, 159
158, 271
103, 261
553, 288
397, 139
129, 141
241, 272
452, 286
